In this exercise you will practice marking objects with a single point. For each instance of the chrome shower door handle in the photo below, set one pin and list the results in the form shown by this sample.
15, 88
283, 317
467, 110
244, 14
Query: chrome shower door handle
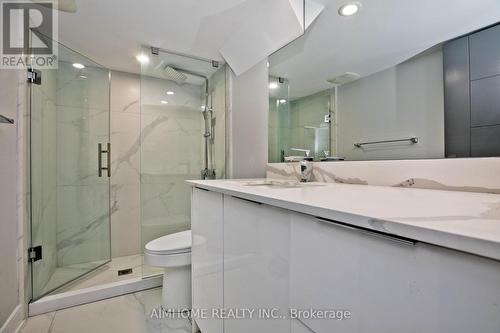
99, 159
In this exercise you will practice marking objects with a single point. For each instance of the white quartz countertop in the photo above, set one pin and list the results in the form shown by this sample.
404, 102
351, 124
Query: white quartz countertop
464, 221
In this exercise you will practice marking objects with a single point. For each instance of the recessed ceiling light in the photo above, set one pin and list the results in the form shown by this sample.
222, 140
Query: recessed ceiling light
349, 9
282, 101
273, 85
164, 102
142, 58
79, 66
170, 92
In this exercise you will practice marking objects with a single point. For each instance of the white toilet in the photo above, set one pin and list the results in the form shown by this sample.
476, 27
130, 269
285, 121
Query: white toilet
173, 252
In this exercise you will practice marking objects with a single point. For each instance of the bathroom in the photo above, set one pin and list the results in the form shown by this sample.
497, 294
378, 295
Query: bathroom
196, 167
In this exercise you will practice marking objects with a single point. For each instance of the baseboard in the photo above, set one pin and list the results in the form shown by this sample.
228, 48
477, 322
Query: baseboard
88, 295
15, 320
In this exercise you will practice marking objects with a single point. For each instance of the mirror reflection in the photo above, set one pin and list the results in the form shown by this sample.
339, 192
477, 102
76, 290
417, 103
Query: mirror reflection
388, 80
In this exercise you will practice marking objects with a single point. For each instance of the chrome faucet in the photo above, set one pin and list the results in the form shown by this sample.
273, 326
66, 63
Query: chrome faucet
306, 167
306, 152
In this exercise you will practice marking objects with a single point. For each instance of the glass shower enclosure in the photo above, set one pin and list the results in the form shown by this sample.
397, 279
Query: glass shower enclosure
70, 185
183, 136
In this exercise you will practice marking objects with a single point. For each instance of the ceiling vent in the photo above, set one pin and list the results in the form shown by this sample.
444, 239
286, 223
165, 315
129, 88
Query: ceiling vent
344, 78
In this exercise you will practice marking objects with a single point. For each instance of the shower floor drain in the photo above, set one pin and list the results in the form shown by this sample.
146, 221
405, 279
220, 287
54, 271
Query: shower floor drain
125, 271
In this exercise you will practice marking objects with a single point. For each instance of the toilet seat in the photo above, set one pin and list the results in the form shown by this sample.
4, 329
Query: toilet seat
172, 250
179, 242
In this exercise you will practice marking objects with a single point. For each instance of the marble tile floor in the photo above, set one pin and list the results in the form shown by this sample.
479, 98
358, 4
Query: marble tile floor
108, 273
131, 313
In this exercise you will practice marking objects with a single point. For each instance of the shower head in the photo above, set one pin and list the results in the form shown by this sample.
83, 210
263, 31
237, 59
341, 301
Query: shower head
173, 74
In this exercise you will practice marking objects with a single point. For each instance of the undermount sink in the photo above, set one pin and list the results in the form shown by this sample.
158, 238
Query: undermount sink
280, 183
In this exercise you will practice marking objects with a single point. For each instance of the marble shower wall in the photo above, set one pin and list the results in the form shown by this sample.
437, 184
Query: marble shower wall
125, 164
461, 174
12, 258
171, 152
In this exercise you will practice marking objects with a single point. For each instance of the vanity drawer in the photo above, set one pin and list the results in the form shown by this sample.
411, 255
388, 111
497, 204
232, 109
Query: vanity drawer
389, 285
333, 267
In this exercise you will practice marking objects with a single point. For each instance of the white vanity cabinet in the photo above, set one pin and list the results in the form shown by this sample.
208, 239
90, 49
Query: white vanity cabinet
256, 264
206, 256
248, 255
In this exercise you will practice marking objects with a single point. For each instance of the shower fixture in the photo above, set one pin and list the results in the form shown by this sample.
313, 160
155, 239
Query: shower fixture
175, 75
179, 76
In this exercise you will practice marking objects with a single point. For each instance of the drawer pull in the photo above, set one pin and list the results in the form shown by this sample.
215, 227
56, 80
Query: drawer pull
369, 232
201, 188
255, 202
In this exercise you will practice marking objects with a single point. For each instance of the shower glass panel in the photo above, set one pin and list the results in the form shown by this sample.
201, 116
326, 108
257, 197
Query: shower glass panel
70, 213
174, 106
310, 125
279, 119
298, 123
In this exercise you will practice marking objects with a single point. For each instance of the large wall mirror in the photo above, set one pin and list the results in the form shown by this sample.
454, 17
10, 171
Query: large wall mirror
396, 80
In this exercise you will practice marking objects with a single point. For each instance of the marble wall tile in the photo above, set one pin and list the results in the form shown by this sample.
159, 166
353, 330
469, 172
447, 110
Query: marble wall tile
83, 231
125, 220
464, 174
125, 92
165, 202
125, 144
8, 189
171, 152
125, 164
171, 141
79, 131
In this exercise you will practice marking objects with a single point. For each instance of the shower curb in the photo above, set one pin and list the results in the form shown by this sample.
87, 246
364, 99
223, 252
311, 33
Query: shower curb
92, 294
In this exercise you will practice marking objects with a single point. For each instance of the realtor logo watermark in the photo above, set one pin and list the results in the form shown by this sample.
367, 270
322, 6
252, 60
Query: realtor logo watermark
28, 35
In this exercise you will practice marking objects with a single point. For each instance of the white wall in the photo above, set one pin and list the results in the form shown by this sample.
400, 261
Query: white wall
249, 108
400, 102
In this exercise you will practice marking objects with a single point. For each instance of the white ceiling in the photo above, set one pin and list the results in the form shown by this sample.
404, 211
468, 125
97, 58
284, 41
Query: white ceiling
383, 34
112, 32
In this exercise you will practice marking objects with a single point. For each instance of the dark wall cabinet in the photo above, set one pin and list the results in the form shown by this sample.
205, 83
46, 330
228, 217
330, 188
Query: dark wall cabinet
485, 53
457, 98
472, 94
